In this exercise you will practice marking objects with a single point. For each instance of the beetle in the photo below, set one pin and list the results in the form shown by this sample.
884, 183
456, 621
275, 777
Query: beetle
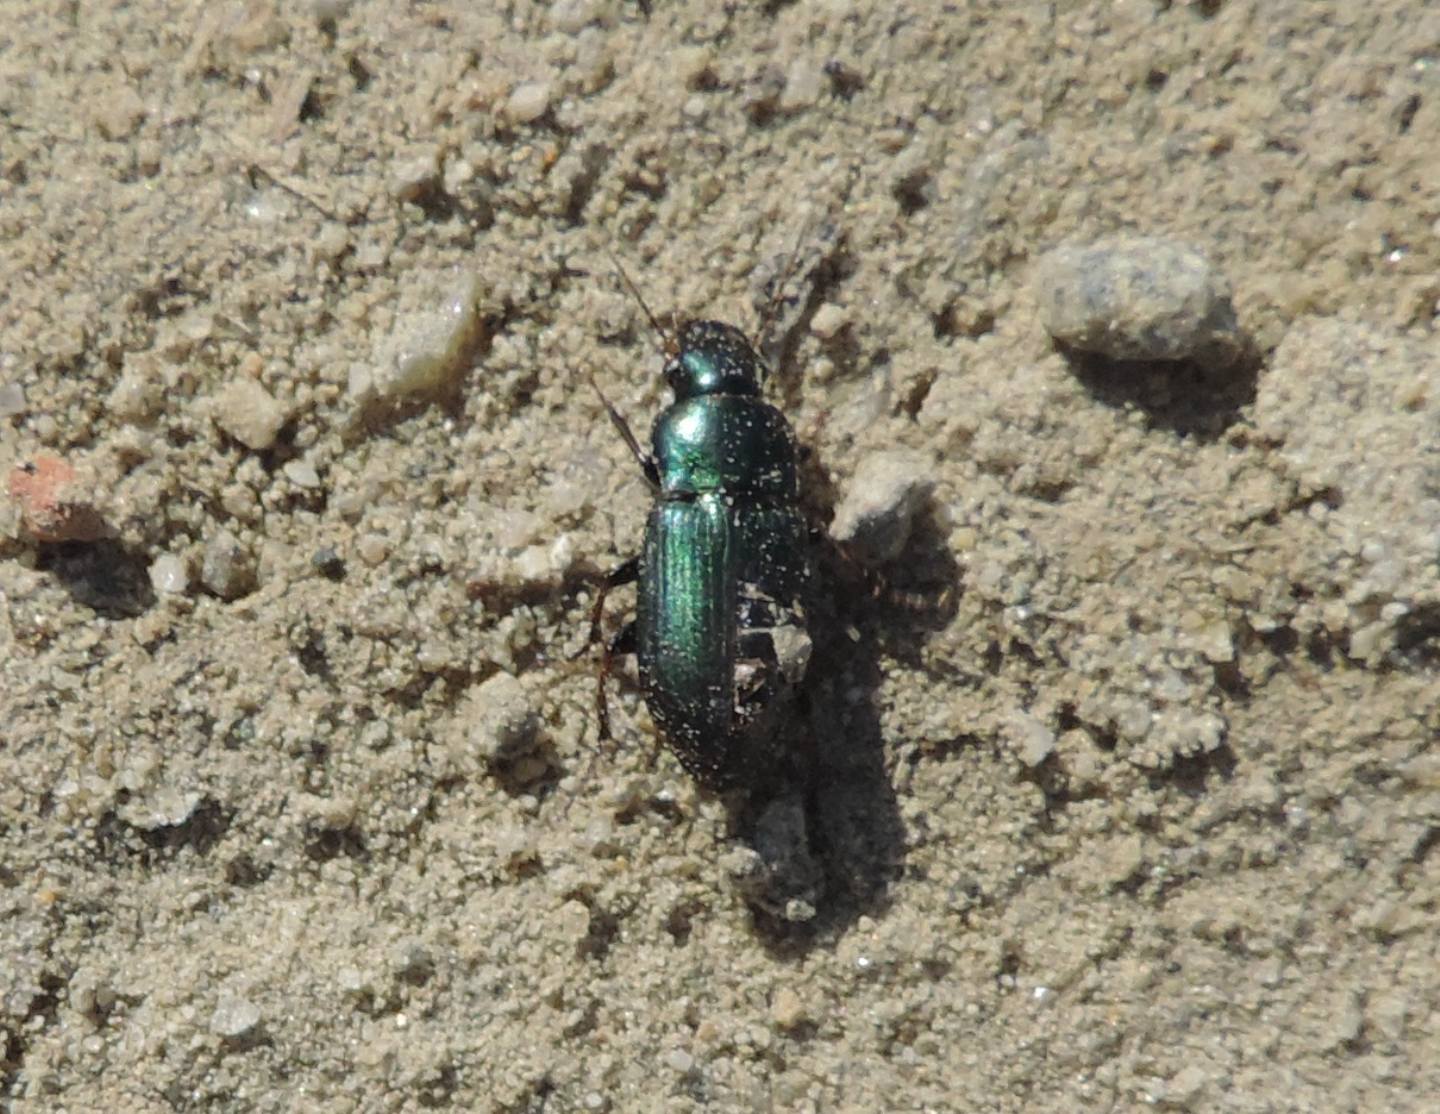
723, 574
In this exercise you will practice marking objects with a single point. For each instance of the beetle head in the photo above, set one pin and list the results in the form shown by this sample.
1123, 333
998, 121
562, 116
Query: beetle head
712, 358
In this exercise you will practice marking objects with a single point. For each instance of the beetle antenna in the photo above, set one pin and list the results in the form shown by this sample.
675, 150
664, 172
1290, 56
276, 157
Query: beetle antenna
668, 348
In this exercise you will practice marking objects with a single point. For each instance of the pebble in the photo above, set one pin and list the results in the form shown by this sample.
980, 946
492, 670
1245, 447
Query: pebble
786, 1009
1031, 739
571, 16
528, 102
328, 562
497, 722
777, 872
138, 394
1138, 298
829, 319
250, 414
333, 241
372, 548
414, 177
227, 569
430, 350
165, 807
12, 400
234, 1016
169, 575
328, 11
803, 86
302, 473
55, 500
875, 516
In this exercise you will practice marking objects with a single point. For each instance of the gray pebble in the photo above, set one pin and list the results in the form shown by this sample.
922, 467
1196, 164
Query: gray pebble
1138, 298
776, 872
227, 569
12, 400
875, 515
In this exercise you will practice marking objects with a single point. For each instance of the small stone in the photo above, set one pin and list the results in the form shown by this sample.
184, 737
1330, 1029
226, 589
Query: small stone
875, 516
803, 86
329, 11
1031, 739
497, 722
239, 502
352, 980
528, 102
571, 16
12, 400
372, 548
1187, 1087
56, 500
234, 1016
1138, 298
166, 807
573, 921
416, 177
777, 873
169, 575
1216, 642
411, 961
138, 394
787, 1010
302, 473
829, 319
680, 1061
430, 350
227, 569
328, 563
250, 414
333, 241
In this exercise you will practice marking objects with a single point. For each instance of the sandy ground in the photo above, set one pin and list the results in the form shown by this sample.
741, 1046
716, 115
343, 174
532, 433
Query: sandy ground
302, 804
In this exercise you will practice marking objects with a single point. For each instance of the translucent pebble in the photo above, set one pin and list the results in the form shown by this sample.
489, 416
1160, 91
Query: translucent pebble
234, 1016
169, 575
429, 351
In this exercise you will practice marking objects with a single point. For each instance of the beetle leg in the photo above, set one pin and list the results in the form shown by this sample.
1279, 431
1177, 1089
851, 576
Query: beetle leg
627, 572
622, 427
622, 643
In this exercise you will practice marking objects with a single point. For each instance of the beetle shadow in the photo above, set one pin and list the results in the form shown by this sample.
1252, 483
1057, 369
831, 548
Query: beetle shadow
852, 813
107, 576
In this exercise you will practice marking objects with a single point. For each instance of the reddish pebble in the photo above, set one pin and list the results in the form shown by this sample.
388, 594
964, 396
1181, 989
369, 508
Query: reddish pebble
54, 506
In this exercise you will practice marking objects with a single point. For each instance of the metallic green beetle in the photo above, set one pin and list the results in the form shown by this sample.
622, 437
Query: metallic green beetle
720, 629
